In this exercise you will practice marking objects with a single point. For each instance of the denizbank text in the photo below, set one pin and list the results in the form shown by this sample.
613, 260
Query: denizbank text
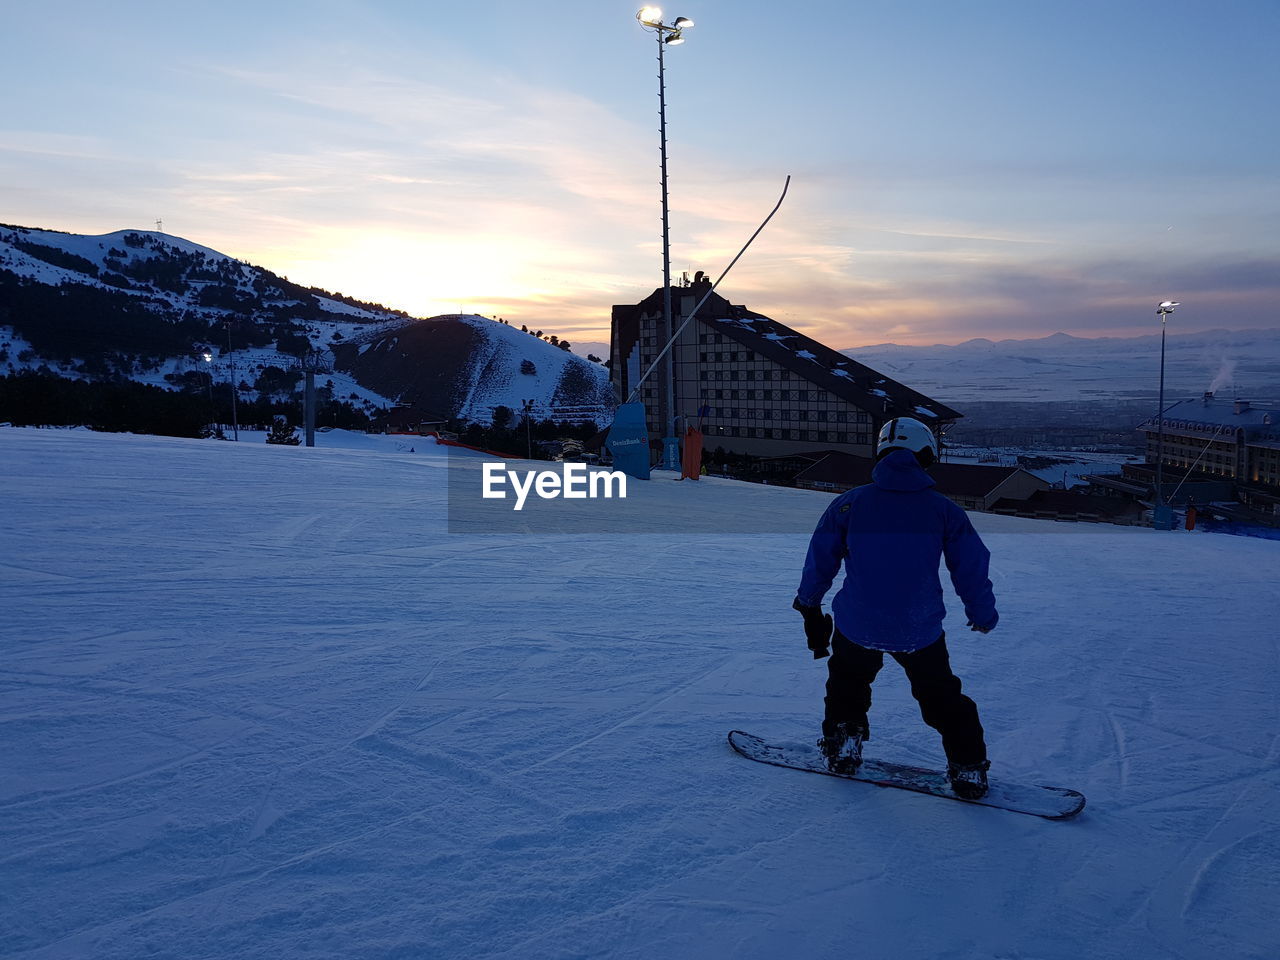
574, 481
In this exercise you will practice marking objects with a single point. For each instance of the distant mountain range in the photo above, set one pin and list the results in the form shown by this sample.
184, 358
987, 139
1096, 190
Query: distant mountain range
1062, 367
145, 306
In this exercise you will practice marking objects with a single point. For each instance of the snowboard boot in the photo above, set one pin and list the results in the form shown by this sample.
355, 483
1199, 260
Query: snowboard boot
969, 781
841, 745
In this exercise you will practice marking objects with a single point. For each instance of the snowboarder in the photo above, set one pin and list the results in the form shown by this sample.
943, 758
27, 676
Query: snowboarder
891, 534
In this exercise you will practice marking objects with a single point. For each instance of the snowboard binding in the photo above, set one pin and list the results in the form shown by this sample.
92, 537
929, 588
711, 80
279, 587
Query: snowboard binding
969, 781
842, 746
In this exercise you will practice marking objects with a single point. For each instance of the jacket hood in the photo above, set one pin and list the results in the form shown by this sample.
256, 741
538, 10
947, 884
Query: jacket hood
900, 470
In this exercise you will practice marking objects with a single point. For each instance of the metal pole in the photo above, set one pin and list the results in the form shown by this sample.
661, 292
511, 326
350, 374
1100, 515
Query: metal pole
666, 239
213, 411
235, 423
1160, 417
309, 406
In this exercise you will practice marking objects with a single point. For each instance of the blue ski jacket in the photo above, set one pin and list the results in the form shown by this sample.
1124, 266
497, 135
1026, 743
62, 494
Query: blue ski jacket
891, 535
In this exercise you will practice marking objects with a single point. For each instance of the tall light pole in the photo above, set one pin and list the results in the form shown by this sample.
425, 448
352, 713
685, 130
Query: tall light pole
235, 420
651, 19
207, 357
1159, 512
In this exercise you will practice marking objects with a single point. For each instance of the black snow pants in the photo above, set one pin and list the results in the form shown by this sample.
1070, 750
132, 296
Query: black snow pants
852, 669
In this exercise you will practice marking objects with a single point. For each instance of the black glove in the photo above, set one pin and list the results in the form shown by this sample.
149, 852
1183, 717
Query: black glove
817, 628
985, 627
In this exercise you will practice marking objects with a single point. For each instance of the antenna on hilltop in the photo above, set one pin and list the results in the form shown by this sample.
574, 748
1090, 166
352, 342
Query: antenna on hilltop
159, 226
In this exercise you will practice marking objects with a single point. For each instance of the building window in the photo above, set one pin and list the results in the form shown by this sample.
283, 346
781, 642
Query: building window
704, 338
804, 434
820, 414
803, 414
733, 374
702, 375
842, 438
784, 394
718, 338
784, 374
750, 356
719, 394
702, 358
842, 416
766, 375
802, 394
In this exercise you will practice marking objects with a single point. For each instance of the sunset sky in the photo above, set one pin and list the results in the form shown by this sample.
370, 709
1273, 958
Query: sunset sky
968, 169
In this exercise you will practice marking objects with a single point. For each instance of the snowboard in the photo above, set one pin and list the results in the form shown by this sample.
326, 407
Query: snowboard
1052, 803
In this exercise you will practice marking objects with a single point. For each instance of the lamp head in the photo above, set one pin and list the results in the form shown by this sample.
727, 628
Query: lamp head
674, 39
1167, 306
650, 16
682, 23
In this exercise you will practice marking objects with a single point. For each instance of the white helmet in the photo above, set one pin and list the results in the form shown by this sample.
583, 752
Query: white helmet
903, 433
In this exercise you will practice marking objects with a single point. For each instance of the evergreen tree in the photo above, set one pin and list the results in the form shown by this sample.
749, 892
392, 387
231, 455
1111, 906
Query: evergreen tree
282, 433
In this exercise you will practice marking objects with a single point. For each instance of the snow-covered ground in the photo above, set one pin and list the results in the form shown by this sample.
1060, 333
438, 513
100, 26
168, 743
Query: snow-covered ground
257, 702
495, 377
1062, 367
1076, 464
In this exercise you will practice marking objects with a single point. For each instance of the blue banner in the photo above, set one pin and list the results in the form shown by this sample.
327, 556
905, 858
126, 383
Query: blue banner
628, 441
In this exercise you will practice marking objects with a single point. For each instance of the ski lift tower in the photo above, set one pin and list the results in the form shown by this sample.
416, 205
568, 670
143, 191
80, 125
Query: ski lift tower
313, 362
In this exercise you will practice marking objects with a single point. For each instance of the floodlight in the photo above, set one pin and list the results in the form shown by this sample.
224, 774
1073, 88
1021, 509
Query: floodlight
682, 22
674, 39
650, 16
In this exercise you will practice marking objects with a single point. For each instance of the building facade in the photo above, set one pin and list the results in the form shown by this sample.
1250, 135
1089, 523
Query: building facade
755, 385
1233, 439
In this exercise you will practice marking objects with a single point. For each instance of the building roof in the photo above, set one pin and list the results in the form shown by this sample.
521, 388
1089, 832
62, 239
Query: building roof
1067, 503
807, 358
951, 479
1215, 413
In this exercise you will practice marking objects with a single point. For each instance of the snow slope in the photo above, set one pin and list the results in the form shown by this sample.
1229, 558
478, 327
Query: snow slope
257, 703
559, 382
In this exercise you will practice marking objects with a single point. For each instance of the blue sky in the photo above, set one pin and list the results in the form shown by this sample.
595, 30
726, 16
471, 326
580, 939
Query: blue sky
981, 169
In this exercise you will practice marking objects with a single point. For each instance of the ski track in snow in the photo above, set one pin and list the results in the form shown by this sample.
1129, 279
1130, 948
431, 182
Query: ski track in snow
257, 702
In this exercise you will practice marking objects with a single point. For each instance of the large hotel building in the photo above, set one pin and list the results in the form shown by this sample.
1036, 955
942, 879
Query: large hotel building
1217, 437
766, 390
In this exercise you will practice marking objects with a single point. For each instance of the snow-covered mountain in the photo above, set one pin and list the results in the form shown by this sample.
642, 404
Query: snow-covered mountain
1063, 367
258, 702
493, 365
145, 306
